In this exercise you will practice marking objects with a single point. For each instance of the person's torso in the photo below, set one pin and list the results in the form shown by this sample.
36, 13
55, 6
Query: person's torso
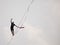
12, 25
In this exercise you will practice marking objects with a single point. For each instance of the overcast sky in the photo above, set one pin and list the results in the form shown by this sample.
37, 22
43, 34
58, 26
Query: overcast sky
42, 22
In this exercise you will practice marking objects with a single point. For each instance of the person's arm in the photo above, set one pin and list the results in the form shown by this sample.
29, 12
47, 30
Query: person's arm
19, 27
16, 26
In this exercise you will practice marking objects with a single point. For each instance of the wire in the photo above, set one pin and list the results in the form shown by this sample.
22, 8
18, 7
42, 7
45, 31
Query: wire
22, 19
25, 16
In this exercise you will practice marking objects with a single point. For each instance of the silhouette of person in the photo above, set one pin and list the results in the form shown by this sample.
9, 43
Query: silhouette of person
12, 27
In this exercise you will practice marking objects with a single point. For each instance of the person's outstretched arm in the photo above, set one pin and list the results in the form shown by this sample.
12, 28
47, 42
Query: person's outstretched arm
16, 26
19, 27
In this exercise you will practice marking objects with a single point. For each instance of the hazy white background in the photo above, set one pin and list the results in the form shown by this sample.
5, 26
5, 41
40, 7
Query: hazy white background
42, 26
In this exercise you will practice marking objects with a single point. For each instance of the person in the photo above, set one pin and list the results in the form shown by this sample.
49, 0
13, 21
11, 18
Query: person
12, 27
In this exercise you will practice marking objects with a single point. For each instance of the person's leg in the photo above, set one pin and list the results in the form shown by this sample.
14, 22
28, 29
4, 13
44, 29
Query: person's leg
12, 32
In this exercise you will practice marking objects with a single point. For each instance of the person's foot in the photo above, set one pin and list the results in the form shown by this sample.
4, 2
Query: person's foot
12, 34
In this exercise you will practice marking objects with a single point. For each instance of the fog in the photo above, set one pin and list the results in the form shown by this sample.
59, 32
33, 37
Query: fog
42, 22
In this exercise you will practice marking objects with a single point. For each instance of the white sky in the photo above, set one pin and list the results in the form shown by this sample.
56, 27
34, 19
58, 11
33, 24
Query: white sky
42, 23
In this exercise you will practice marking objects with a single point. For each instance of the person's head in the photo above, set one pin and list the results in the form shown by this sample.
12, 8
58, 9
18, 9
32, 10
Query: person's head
13, 22
11, 18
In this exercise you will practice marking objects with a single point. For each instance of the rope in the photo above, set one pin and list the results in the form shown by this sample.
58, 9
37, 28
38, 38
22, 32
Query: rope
23, 19
26, 12
24, 16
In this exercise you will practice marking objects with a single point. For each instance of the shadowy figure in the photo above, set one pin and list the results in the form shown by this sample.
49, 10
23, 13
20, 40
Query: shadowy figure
12, 27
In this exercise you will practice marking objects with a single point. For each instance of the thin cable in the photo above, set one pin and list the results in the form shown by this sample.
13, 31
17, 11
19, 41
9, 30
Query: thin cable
26, 12
23, 18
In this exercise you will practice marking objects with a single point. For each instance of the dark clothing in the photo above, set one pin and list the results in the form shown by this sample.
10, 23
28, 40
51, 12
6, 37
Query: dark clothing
12, 26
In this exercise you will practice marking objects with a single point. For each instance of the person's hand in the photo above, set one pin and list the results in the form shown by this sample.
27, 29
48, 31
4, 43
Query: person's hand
21, 27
